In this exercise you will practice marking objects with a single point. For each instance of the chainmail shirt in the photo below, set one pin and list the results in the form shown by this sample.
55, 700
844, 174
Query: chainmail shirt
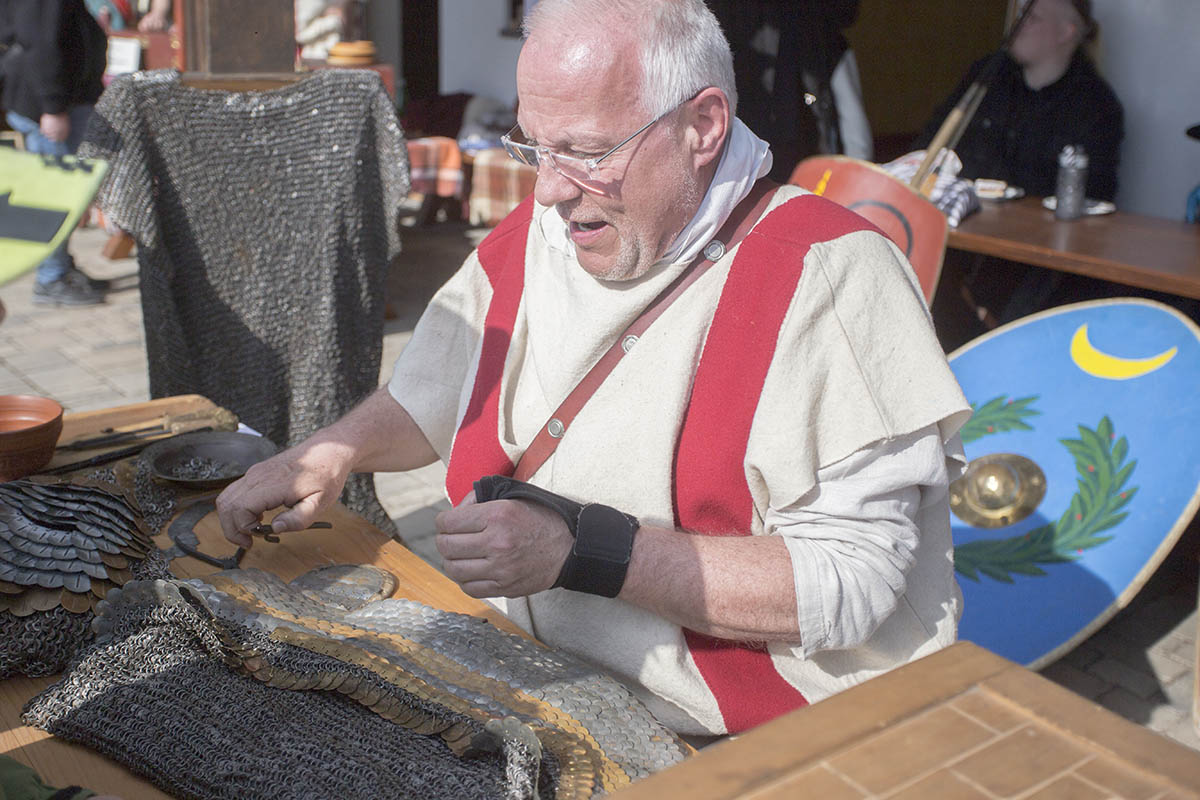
265, 224
241, 685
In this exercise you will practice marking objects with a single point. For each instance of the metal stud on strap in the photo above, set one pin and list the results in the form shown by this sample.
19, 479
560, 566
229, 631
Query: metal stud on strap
714, 250
628, 342
556, 428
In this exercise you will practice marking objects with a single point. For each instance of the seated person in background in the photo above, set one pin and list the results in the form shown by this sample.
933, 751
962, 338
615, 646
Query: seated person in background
766, 469
1045, 95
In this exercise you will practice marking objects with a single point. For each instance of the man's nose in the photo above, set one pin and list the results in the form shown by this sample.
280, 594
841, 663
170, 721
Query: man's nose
551, 188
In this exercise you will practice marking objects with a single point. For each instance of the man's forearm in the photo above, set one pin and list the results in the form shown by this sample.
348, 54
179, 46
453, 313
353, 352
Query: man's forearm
731, 587
378, 435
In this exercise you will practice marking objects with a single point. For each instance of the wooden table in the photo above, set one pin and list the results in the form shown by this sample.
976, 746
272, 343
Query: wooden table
961, 723
352, 541
1146, 252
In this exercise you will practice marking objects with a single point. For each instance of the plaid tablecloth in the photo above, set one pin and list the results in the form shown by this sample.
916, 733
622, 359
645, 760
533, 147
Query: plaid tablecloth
498, 185
436, 166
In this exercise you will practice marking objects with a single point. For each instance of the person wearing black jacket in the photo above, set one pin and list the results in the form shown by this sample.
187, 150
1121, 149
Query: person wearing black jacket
52, 70
1045, 95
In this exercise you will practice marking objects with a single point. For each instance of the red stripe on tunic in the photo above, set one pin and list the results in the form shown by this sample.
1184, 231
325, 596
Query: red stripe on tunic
477, 451
712, 496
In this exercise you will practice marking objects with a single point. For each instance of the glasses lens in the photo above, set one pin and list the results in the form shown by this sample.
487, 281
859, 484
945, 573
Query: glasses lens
576, 170
571, 168
524, 153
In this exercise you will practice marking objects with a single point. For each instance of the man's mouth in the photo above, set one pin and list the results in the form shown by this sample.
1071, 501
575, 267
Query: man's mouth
587, 226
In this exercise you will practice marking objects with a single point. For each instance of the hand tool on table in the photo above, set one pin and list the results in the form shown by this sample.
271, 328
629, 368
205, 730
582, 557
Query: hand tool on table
220, 419
114, 455
183, 535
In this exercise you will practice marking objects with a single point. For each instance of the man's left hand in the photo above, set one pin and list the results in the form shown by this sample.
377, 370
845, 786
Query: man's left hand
55, 127
503, 548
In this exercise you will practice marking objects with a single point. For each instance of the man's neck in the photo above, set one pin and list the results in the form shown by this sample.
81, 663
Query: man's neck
1041, 75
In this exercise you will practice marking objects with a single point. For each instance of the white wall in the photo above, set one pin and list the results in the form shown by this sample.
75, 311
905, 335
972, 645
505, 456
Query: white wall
1149, 50
474, 56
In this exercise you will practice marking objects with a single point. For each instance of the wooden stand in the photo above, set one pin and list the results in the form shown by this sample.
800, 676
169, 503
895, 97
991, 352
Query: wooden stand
232, 36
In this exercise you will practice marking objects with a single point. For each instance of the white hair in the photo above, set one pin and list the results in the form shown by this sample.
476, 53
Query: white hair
682, 47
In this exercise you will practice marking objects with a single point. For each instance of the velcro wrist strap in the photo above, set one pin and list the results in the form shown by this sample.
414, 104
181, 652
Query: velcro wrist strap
603, 535
498, 487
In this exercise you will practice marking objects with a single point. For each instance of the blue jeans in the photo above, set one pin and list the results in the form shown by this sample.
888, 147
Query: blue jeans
58, 263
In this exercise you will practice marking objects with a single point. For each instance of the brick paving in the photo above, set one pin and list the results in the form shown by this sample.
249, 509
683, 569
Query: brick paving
1140, 665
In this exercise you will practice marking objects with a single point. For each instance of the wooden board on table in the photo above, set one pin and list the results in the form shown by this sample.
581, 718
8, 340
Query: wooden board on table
352, 540
948, 725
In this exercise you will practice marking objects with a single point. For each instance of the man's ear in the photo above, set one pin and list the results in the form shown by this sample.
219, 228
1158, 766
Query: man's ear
708, 125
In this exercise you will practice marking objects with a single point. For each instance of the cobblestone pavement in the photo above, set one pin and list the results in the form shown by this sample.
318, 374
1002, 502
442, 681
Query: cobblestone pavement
1140, 665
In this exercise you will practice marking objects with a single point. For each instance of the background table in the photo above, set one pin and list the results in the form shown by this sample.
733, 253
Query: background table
1146, 252
352, 540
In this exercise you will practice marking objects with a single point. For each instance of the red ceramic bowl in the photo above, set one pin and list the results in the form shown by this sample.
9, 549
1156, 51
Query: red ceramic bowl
29, 430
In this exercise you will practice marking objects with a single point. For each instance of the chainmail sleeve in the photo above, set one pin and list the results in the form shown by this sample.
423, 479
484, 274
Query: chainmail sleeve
265, 223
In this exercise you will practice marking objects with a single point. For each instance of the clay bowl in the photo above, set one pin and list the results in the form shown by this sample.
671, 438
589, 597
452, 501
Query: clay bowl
29, 429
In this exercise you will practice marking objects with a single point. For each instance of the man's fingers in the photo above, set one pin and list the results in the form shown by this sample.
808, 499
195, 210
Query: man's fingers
241, 539
457, 546
470, 570
299, 516
470, 518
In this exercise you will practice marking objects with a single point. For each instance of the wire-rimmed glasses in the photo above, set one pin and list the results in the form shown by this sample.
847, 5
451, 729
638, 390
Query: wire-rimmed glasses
583, 172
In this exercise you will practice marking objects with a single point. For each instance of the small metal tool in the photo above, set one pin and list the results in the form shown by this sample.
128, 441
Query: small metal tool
264, 530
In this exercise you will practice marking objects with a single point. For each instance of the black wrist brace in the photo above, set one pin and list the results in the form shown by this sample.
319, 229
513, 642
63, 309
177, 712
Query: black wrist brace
603, 535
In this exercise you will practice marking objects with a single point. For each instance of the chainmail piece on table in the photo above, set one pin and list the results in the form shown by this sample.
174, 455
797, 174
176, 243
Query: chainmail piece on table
63, 547
241, 685
265, 224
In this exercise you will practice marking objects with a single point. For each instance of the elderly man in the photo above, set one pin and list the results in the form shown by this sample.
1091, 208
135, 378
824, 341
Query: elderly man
748, 513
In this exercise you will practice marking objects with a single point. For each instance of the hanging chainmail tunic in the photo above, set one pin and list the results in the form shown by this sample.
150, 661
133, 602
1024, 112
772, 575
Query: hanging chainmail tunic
240, 685
265, 223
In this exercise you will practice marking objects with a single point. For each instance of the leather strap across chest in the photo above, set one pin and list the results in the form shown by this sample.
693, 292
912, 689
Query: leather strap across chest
739, 223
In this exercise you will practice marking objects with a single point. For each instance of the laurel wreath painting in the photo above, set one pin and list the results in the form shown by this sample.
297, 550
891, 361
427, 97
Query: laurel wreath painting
1096, 507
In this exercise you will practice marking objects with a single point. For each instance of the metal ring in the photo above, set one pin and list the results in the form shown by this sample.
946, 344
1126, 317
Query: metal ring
556, 428
628, 342
714, 250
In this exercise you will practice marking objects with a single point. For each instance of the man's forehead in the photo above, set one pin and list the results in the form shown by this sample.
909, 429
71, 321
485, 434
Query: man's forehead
579, 58
575, 82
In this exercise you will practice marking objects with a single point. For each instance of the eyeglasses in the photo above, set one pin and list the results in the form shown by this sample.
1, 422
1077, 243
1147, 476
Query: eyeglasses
583, 172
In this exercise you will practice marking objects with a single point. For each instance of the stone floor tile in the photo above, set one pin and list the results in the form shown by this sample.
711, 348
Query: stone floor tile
1132, 707
1080, 681
1180, 691
1138, 680
37, 359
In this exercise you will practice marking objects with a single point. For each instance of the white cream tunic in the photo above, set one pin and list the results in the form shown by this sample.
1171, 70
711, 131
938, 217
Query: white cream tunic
850, 452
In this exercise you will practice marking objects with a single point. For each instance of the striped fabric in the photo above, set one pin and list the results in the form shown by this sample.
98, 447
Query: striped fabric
498, 185
436, 166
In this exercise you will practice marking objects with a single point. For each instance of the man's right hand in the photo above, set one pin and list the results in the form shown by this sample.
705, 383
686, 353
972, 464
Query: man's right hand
307, 478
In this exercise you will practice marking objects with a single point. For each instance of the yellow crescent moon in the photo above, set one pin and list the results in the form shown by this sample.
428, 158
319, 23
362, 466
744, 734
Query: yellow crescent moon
1112, 368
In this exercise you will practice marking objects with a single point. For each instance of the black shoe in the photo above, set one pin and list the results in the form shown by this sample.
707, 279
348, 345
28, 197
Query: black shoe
99, 284
72, 289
